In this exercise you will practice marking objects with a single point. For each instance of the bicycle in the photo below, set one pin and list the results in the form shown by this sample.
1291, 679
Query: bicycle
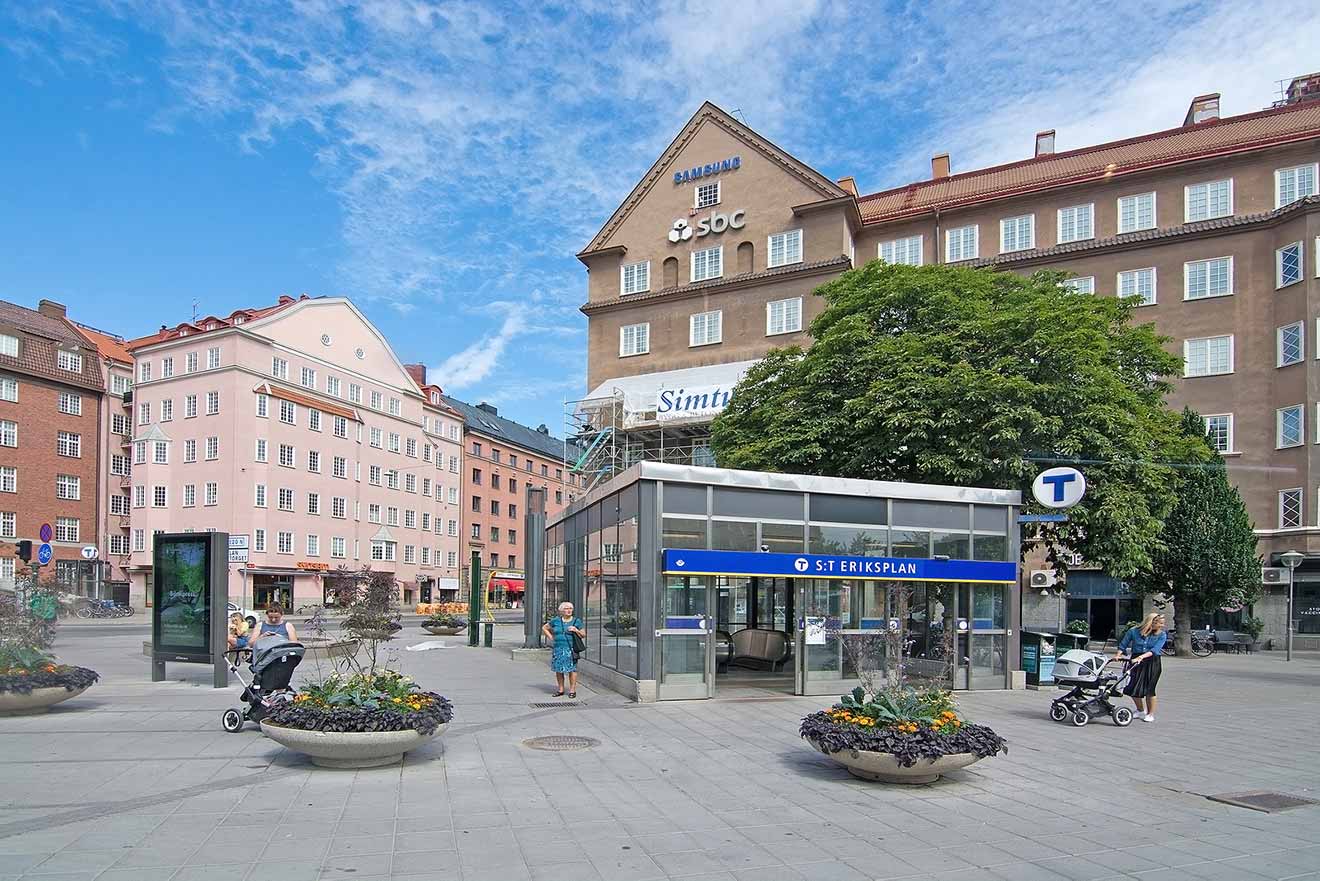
1203, 645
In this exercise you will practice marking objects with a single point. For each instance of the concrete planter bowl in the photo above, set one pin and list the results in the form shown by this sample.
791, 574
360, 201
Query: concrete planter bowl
334, 749
328, 649
443, 631
884, 768
38, 700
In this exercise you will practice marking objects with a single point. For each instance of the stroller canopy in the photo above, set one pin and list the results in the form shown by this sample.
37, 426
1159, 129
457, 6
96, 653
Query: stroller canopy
268, 651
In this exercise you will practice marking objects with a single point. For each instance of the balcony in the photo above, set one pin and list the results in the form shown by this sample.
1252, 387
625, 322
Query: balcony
128, 398
126, 480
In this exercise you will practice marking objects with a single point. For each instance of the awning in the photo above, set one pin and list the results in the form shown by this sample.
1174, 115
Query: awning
508, 585
670, 397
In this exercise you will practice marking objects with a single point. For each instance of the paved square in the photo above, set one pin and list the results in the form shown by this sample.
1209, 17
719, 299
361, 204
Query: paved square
137, 781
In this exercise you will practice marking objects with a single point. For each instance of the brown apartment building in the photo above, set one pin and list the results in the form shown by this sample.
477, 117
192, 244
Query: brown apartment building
51, 397
711, 260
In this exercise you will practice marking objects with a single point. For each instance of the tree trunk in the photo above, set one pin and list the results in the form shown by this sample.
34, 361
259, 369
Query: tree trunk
1182, 622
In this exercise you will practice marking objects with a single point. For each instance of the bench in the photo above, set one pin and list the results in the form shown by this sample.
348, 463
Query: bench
760, 646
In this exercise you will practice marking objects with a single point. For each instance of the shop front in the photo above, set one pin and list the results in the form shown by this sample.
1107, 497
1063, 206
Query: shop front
699, 581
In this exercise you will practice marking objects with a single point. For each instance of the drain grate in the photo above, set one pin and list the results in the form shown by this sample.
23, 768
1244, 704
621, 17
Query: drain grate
560, 743
1268, 802
561, 705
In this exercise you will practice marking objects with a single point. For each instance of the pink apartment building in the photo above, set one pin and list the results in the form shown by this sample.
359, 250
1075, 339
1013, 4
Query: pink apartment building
297, 430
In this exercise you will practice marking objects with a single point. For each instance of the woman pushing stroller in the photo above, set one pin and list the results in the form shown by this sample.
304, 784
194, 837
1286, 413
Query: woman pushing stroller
1143, 644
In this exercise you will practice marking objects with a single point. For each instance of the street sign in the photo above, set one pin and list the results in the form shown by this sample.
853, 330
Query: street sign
46, 532
89, 552
44, 553
238, 542
238, 555
1060, 487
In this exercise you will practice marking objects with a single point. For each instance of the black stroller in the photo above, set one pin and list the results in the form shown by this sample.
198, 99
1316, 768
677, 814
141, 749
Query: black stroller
271, 663
1091, 686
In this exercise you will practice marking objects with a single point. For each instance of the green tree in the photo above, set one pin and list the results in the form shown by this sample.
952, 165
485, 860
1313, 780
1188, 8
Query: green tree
1206, 556
939, 374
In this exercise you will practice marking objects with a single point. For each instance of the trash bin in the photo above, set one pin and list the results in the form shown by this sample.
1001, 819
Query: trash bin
1065, 641
1038, 657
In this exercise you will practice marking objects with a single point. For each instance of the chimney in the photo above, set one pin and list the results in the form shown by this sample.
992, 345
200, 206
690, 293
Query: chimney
1303, 88
488, 408
1202, 109
285, 300
542, 429
417, 372
849, 185
51, 309
939, 166
1044, 143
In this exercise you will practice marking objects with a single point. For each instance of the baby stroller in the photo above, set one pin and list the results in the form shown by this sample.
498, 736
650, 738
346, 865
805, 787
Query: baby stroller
271, 663
1091, 688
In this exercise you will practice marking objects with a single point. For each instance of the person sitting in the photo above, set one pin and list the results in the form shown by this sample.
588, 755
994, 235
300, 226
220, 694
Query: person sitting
276, 625
238, 631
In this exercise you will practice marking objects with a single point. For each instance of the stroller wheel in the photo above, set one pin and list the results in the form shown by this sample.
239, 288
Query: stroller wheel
1122, 716
1079, 718
1058, 712
232, 720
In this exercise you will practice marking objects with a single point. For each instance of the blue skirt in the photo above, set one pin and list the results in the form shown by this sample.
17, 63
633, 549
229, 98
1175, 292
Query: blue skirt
561, 659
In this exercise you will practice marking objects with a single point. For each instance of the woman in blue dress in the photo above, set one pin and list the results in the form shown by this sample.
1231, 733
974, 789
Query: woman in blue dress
559, 631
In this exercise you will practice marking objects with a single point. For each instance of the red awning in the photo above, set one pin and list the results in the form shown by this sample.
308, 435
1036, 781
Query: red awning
508, 585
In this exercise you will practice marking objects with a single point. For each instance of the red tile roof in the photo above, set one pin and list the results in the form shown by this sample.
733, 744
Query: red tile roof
277, 391
41, 337
113, 347
1294, 122
213, 322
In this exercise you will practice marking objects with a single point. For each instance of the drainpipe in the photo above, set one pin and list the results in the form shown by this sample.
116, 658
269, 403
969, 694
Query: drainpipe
938, 253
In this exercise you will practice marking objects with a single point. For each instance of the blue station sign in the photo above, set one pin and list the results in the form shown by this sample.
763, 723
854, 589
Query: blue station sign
686, 562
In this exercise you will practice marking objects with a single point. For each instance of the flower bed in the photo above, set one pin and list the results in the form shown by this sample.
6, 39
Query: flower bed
25, 669
445, 621
386, 701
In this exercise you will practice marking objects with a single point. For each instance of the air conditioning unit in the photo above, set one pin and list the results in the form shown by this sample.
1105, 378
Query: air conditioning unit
1043, 578
1273, 575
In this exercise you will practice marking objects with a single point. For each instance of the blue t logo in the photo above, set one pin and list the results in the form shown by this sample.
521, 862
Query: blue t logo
1058, 481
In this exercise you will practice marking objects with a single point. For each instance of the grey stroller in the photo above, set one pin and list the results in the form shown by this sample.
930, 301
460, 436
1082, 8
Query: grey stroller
271, 664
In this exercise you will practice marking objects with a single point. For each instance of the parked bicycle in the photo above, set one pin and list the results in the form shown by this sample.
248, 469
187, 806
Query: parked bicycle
1203, 644
95, 608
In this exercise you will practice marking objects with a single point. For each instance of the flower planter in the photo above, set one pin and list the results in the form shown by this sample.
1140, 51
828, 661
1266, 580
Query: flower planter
443, 631
329, 649
883, 767
332, 749
38, 700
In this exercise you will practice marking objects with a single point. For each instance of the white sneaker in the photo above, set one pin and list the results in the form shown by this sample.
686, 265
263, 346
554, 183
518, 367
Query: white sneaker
1148, 718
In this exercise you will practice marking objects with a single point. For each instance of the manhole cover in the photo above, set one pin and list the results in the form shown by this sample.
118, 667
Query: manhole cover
1269, 802
560, 743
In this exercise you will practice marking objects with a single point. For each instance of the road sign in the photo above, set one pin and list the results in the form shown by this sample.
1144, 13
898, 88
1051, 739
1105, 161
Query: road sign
44, 553
46, 532
238, 542
238, 555
1060, 487
89, 552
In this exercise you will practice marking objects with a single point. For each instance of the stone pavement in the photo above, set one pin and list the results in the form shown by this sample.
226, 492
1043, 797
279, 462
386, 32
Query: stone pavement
137, 781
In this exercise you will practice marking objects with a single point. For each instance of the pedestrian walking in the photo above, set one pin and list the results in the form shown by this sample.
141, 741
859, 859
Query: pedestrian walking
568, 641
1143, 644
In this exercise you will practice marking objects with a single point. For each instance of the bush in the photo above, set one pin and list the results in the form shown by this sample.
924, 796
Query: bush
443, 619
1078, 626
385, 701
1253, 627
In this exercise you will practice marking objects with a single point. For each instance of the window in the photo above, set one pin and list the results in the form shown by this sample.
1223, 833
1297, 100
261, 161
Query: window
373, 513
68, 444
279, 368
338, 547
1017, 233
453, 495
261, 450
1291, 184
313, 546
396, 407
453, 464
190, 362
409, 518
67, 529
212, 493
259, 496
212, 403
783, 316
120, 384
1288, 265
314, 461
119, 424
906, 251
212, 358
69, 402
1208, 356
8, 479
451, 559
340, 467
1208, 200
189, 406
635, 278
9, 526
426, 556
634, 339
67, 486
376, 437
289, 412
263, 406
1290, 344
392, 478
166, 367
495, 507
1138, 283
785, 248
373, 475
426, 521
8, 345
1136, 212
961, 243
212, 448
9, 390
707, 195
139, 539
71, 361
285, 542
410, 483
8, 433
1290, 426
339, 507
333, 386
383, 550
1290, 508
410, 447
284, 499
355, 393
1076, 223
707, 264
314, 419
287, 456
139, 496
409, 553
119, 504
377, 401
144, 371
159, 497
1082, 285
341, 426
308, 378
705, 329
314, 503
139, 452
144, 413
119, 545
1207, 278
394, 442
451, 528
494, 533
259, 540
1219, 432
189, 495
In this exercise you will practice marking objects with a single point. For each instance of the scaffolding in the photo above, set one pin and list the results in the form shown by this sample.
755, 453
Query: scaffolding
610, 437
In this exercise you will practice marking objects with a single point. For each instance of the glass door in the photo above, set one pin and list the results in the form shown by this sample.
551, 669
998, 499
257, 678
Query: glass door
987, 659
685, 640
829, 615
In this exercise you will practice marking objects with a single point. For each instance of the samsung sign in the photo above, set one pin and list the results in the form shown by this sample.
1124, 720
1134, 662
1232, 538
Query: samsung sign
691, 403
714, 168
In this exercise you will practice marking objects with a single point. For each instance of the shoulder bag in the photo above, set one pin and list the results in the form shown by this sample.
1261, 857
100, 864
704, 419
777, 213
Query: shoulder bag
579, 644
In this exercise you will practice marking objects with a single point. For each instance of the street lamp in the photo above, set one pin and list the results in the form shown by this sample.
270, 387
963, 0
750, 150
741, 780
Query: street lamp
1291, 559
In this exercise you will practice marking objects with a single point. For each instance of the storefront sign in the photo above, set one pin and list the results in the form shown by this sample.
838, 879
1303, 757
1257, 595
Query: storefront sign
314, 567
681, 230
681, 562
690, 403
714, 168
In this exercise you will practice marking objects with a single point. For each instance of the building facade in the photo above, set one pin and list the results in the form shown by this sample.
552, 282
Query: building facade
51, 395
297, 430
1214, 224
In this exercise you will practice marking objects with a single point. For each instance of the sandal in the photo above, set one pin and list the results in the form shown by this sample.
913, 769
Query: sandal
559, 694
572, 694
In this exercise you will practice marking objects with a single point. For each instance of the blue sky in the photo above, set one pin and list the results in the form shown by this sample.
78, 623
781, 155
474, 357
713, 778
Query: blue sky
441, 162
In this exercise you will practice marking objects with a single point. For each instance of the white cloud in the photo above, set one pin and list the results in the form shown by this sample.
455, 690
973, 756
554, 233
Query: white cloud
474, 363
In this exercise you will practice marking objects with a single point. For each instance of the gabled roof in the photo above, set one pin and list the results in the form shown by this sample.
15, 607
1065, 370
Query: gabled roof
709, 113
214, 322
1218, 137
513, 433
113, 348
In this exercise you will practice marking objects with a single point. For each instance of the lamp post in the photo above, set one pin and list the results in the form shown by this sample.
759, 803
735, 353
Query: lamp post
1291, 559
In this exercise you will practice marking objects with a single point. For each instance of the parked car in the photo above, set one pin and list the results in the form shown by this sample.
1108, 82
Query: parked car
251, 616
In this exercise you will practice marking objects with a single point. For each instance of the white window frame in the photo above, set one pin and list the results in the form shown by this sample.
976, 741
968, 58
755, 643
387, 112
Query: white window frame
68, 361
696, 194
962, 238
769, 316
706, 341
645, 349
630, 271
279, 367
1278, 426
1081, 284
211, 494
8, 345
1278, 265
212, 357
1231, 356
1187, 278
291, 409
902, 247
1016, 222
1301, 507
1154, 284
1154, 212
1187, 200
788, 237
718, 251
1300, 327
1090, 223
9, 389
1315, 182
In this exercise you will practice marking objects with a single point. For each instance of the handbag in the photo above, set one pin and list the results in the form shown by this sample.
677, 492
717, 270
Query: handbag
579, 645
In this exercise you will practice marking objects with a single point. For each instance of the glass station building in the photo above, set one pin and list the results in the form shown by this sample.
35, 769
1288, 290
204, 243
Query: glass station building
695, 581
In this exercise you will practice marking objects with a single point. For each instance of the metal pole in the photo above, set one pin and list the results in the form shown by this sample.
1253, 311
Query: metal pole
534, 568
474, 599
1291, 569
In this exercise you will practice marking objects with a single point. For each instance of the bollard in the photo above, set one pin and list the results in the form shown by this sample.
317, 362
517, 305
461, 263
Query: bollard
488, 638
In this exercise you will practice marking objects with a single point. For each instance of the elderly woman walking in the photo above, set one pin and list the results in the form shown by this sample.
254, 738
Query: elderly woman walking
563, 658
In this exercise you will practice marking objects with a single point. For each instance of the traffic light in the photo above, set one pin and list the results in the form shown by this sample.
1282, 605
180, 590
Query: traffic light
25, 551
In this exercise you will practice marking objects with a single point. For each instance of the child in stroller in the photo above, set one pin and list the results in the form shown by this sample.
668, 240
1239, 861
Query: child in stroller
1090, 689
271, 662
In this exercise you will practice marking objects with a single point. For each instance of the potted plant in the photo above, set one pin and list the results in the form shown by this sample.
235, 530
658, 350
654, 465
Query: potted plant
31, 679
1253, 627
363, 713
622, 624
444, 624
318, 642
1078, 626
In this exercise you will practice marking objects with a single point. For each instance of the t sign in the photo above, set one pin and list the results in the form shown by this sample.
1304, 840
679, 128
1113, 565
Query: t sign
1059, 487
